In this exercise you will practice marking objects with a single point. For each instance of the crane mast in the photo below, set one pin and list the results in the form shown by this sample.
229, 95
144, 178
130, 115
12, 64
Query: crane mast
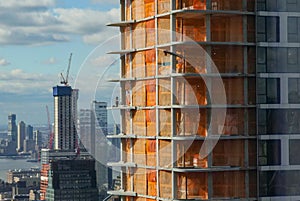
65, 81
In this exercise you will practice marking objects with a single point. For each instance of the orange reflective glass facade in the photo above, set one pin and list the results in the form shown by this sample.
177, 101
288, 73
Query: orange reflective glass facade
167, 107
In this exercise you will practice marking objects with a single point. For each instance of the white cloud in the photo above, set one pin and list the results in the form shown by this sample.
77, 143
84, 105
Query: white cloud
106, 1
33, 22
50, 61
103, 60
4, 62
19, 82
99, 37
26, 3
90, 24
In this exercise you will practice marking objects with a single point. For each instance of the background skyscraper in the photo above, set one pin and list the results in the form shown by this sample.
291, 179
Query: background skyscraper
29, 132
87, 134
99, 110
21, 135
98, 132
37, 137
12, 128
93, 129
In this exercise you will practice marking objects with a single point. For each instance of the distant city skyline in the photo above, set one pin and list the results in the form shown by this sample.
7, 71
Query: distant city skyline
33, 52
4, 124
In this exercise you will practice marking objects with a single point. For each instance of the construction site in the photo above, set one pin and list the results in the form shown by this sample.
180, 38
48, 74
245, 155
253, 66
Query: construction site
168, 51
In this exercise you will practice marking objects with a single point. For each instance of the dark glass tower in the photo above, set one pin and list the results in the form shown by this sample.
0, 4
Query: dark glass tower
72, 179
12, 128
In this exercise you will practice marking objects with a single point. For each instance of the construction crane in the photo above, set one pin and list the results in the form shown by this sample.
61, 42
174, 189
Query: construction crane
50, 142
65, 81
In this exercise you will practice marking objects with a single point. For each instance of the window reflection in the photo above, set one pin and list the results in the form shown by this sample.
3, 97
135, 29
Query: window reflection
279, 121
269, 152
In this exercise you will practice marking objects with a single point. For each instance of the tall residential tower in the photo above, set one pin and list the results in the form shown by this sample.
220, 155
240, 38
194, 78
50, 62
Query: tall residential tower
255, 46
168, 84
65, 135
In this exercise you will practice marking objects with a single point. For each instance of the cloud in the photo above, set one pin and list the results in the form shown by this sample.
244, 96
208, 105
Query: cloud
103, 60
4, 62
106, 2
90, 24
31, 4
18, 82
33, 22
50, 61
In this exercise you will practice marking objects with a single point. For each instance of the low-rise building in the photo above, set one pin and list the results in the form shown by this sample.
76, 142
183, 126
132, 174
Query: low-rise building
34, 195
22, 173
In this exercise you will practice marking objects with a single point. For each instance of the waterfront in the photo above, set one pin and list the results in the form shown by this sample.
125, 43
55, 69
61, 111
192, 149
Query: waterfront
7, 164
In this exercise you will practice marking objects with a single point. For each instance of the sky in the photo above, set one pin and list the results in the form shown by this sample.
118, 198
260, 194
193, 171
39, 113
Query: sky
36, 39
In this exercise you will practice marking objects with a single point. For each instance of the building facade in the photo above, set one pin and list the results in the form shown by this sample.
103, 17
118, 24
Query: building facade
21, 173
75, 96
167, 102
278, 99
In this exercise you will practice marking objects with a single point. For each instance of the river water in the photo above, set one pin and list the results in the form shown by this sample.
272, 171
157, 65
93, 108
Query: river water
9, 164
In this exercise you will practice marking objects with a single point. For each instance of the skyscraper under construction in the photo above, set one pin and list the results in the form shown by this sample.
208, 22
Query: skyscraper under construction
65, 106
167, 99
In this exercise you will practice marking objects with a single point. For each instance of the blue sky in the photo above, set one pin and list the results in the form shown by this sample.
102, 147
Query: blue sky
36, 39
